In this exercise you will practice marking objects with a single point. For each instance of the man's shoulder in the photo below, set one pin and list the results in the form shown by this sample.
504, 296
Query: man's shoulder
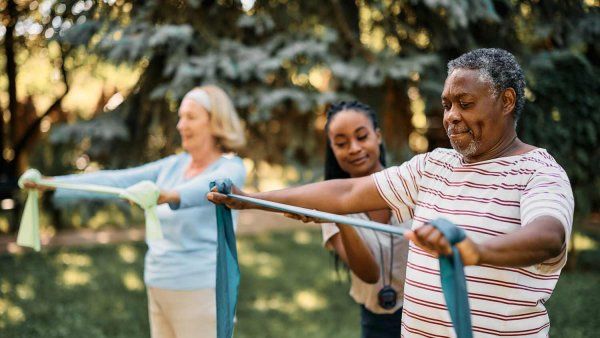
439, 154
442, 154
539, 159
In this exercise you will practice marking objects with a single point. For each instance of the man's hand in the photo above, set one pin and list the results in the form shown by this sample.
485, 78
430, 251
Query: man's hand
430, 239
218, 198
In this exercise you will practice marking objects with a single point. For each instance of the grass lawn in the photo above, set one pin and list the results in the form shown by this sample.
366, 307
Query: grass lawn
289, 289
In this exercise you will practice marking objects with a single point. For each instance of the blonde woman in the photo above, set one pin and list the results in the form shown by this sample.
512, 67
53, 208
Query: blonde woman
180, 269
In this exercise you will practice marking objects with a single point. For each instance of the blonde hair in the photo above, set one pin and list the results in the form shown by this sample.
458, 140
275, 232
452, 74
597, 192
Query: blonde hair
225, 123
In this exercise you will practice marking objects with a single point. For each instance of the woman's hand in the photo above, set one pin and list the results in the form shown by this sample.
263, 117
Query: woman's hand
168, 196
218, 198
431, 240
40, 187
305, 219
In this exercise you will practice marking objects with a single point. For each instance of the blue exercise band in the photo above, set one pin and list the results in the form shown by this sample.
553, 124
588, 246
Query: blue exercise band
454, 283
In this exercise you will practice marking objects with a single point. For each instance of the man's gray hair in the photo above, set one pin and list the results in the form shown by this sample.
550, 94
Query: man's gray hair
498, 67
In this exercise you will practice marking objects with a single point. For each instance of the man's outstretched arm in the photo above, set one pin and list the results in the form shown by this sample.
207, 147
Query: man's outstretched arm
342, 196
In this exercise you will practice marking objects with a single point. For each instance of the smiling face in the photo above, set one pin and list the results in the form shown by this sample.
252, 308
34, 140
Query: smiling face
193, 125
475, 119
355, 143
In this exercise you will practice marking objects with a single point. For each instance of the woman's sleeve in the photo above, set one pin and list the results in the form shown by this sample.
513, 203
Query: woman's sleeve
328, 230
193, 193
114, 178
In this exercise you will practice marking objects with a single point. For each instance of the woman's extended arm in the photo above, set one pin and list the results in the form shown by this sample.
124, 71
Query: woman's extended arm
114, 178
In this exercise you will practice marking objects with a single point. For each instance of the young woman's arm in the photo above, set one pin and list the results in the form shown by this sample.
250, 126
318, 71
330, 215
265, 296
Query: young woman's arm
353, 251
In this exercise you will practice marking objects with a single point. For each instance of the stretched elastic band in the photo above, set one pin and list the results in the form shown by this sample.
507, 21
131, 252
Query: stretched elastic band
454, 283
228, 272
145, 194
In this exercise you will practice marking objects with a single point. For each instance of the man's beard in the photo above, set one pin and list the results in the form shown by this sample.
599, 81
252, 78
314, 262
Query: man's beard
466, 151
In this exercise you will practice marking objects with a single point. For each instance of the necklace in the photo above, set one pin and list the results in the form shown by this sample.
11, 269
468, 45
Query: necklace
387, 296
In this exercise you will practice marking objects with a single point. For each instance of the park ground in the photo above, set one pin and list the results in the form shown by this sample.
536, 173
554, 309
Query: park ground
86, 284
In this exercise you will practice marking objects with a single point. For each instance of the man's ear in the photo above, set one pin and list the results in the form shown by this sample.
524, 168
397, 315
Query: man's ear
509, 101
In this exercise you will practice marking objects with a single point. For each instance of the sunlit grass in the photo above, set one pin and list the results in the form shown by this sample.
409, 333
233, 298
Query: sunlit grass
74, 277
127, 253
132, 281
583, 242
289, 289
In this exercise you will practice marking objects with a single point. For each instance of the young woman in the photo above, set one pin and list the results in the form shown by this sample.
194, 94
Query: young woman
180, 269
377, 261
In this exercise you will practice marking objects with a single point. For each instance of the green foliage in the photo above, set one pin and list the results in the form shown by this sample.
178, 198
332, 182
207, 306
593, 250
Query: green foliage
562, 116
284, 61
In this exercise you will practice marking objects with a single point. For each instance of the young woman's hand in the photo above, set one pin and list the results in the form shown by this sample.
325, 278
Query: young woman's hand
305, 219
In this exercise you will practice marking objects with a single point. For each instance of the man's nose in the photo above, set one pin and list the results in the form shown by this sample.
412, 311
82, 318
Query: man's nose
452, 116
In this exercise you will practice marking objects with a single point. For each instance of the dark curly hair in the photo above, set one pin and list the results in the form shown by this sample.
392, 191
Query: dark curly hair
332, 167
498, 67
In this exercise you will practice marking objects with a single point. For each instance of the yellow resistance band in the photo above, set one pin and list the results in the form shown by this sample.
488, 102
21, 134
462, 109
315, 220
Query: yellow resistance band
145, 194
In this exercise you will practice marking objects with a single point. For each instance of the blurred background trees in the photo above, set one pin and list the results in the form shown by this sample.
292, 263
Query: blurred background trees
115, 70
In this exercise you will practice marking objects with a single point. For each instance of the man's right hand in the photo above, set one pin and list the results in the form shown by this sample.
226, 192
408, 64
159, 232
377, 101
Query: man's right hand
218, 198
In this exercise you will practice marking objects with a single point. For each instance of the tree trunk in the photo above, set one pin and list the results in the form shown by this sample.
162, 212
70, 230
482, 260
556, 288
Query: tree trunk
8, 173
11, 68
396, 119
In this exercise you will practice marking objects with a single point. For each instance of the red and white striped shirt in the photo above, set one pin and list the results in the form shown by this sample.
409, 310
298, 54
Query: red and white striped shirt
485, 199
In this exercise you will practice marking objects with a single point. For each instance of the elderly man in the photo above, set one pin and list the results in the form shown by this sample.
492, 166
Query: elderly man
512, 199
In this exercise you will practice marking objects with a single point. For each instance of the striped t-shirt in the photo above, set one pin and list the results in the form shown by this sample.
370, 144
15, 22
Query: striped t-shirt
486, 199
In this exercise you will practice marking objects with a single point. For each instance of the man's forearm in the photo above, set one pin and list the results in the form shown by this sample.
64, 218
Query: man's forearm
537, 242
342, 196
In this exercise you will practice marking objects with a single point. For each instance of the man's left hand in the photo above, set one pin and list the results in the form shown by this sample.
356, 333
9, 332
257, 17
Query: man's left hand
430, 239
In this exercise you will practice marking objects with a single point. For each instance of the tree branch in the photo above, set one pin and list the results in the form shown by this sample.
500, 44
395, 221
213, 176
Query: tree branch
347, 33
22, 144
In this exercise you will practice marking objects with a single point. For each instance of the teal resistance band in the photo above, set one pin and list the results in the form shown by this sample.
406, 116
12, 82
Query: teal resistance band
228, 272
451, 267
454, 283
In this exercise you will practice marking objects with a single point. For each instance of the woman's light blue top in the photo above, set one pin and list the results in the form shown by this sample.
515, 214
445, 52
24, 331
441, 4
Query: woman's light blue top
185, 259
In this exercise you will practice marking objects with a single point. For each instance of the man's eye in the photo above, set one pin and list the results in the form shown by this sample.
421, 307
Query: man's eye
465, 104
446, 106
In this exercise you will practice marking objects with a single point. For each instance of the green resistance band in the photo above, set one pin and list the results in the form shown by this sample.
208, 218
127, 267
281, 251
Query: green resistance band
451, 267
145, 194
